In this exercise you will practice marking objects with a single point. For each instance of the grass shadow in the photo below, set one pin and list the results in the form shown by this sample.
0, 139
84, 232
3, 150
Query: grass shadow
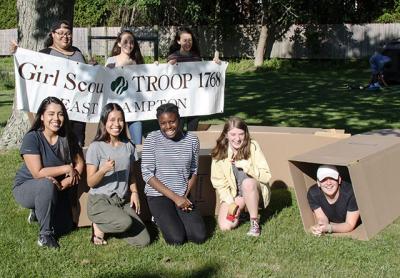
208, 270
280, 198
211, 225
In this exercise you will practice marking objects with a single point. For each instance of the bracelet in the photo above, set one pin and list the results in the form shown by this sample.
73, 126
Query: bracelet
329, 228
135, 192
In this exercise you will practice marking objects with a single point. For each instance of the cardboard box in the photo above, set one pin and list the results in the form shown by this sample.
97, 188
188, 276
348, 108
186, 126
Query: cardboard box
384, 132
90, 133
371, 164
79, 207
279, 144
203, 194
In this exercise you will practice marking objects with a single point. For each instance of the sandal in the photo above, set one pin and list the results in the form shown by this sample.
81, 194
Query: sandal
97, 240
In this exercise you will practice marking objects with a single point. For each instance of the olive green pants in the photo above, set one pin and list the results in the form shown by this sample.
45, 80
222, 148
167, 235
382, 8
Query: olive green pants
114, 215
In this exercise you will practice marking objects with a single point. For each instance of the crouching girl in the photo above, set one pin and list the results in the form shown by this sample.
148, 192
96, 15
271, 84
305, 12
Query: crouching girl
239, 173
113, 203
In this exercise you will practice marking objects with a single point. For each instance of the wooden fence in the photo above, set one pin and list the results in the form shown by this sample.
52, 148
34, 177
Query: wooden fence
340, 41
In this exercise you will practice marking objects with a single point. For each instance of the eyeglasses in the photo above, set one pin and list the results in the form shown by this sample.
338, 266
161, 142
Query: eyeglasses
68, 35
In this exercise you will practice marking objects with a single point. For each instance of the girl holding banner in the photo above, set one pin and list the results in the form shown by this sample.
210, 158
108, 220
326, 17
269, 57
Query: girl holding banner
59, 43
126, 52
53, 164
239, 173
113, 203
169, 167
185, 48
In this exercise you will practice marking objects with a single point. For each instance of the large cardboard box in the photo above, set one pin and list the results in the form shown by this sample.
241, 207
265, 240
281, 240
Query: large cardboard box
384, 132
279, 144
203, 194
79, 212
371, 163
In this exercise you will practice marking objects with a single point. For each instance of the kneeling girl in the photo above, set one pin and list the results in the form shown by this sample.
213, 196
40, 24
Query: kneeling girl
110, 159
239, 172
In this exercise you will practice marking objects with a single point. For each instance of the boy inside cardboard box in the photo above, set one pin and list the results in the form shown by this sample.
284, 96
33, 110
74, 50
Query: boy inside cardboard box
371, 164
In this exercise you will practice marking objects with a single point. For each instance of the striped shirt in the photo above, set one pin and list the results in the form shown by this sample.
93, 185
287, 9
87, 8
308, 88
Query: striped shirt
171, 162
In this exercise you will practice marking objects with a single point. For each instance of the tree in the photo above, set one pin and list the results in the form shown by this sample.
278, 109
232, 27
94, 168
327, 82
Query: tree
35, 18
276, 18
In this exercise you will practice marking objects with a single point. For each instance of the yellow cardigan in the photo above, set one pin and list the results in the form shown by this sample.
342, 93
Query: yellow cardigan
256, 166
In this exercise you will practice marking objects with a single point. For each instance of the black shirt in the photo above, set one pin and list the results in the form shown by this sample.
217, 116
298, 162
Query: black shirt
337, 211
34, 142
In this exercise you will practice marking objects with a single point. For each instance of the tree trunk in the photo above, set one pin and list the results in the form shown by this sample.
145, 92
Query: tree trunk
35, 18
262, 42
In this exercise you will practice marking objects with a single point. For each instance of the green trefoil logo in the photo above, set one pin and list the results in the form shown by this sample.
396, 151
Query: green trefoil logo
119, 85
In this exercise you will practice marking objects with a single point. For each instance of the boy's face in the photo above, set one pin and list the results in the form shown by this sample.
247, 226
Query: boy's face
330, 186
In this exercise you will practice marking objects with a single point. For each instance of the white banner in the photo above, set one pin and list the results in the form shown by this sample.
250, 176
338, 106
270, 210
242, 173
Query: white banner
197, 88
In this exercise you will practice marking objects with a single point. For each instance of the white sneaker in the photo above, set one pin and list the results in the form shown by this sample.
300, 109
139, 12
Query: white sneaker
255, 229
32, 217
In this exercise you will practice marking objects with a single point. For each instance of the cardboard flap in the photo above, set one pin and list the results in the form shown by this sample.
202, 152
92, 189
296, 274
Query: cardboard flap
285, 130
348, 151
384, 132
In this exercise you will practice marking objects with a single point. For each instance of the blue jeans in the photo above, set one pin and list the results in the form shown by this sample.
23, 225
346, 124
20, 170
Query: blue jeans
135, 132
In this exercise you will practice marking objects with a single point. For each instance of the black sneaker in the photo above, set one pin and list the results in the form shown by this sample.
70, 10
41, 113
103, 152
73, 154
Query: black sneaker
32, 217
48, 241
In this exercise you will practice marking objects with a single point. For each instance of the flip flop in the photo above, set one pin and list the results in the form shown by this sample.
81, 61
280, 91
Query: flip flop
96, 240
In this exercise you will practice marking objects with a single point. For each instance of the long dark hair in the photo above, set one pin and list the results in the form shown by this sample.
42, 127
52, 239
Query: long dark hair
220, 151
135, 54
175, 46
102, 134
57, 25
64, 131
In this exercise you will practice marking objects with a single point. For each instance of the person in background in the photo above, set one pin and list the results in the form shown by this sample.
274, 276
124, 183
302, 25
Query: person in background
185, 48
113, 203
170, 160
239, 173
377, 63
333, 203
59, 43
126, 52
53, 165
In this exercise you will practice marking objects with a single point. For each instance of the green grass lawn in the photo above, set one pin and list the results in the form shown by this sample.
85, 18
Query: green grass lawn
282, 93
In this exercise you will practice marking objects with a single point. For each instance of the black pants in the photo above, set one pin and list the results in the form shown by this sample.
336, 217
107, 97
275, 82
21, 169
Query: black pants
176, 225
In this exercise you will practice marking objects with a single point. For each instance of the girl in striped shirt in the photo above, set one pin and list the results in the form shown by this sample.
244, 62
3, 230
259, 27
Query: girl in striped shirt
169, 168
